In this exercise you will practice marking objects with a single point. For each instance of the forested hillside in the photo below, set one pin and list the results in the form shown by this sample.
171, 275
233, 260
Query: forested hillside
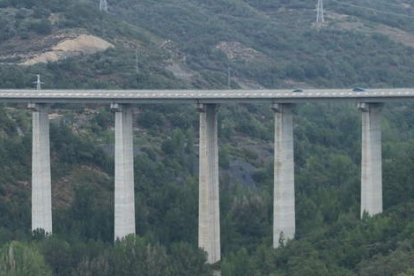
195, 44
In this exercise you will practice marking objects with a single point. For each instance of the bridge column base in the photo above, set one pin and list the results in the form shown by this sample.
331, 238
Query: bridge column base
209, 211
371, 161
284, 183
124, 172
41, 176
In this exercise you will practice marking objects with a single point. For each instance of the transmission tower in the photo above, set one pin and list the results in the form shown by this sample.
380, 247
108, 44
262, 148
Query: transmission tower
103, 6
136, 62
228, 77
320, 19
38, 83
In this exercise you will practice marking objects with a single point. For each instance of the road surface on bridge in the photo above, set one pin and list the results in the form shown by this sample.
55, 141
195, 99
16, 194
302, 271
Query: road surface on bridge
203, 96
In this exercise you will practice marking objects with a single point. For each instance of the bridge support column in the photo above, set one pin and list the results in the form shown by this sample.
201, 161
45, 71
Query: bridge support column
208, 206
124, 172
284, 183
41, 177
371, 161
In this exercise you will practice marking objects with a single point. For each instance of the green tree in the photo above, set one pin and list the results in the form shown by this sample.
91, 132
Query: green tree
187, 260
134, 256
18, 259
237, 264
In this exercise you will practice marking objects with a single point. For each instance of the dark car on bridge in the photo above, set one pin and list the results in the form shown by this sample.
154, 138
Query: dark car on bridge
358, 89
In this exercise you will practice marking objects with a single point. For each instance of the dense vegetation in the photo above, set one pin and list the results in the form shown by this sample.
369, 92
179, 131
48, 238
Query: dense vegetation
331, 238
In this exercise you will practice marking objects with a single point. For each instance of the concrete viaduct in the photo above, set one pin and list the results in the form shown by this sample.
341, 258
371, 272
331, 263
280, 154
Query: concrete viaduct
369, 103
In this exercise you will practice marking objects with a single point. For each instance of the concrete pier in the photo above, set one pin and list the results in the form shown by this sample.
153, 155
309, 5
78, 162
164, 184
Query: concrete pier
209, 211
371, 161
284, 183
124, 172
41, 179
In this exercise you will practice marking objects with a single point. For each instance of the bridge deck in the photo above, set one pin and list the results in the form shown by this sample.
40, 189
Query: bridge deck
202, 96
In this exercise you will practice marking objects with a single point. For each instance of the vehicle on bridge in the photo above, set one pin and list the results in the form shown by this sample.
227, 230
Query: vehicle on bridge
358, 89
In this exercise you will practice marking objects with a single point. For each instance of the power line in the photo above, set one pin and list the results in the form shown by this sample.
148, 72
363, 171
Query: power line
390, 5
372, 9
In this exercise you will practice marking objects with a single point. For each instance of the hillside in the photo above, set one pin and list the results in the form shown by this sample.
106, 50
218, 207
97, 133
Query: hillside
193, 44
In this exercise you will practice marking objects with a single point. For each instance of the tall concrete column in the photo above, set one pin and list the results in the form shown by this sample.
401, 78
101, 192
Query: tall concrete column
371, 161
284, 183
41, 179
124, 172
208, 206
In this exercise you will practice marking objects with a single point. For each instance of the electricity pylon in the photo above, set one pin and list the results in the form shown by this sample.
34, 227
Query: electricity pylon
228, 77
320, 18
103, 6
38, 83
136, 62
